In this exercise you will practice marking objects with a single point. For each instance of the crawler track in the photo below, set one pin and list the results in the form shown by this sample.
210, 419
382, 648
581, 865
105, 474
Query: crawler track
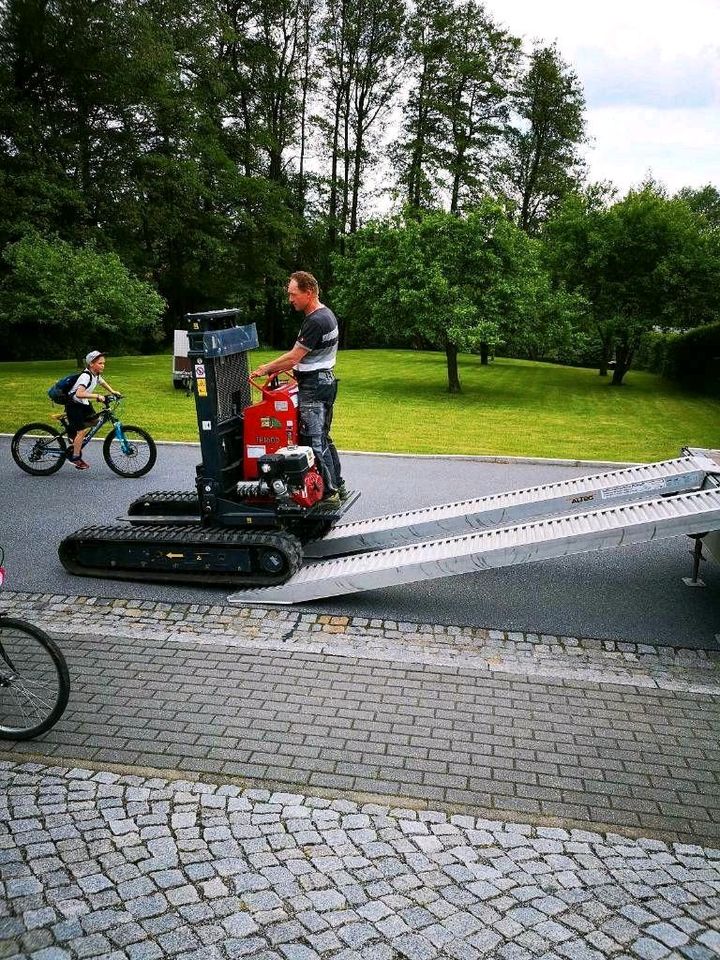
167, 503
182, 554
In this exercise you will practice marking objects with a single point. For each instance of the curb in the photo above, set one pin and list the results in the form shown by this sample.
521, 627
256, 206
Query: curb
479, 458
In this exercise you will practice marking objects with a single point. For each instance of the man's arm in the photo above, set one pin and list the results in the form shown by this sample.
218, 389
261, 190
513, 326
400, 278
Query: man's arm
285, 362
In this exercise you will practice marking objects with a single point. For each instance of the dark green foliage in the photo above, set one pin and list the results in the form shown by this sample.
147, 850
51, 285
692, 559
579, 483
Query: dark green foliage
209, 149
70, 299
641, 262
695, 359
542, 163
456, 283
691, 358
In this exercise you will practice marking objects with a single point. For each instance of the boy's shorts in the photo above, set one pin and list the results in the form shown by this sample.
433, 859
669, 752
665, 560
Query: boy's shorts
80, 416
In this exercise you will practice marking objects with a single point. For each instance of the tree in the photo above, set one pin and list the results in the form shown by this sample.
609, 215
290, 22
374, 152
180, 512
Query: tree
474, 92
417, 152
377, 78
542, 163
704, 201
359, 48
74, 297
641, 262
447, 281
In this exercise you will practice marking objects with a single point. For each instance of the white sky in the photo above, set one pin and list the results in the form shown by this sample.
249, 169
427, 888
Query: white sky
650, 70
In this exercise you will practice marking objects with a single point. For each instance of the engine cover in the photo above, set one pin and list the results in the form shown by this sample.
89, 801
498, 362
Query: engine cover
288, 463
295, 468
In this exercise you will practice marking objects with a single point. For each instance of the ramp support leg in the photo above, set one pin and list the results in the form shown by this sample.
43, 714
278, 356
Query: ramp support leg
697, 556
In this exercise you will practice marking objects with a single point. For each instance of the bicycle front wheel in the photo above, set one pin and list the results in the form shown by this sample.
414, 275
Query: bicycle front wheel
38, 449
134, 455
34, 681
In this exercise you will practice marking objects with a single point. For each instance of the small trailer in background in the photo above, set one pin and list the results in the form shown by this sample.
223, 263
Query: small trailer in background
181, 369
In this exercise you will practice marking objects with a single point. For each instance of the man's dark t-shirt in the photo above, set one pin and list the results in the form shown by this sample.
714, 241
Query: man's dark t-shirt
319, 335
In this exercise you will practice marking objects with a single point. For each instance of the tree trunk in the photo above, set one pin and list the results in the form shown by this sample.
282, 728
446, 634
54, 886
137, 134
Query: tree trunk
451, 354
484, 354
623, 360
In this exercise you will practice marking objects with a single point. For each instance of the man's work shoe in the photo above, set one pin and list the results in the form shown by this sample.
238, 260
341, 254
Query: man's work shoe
332, 498
343, 491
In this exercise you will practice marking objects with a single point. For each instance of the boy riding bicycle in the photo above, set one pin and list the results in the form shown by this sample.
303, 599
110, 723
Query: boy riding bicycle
79, 410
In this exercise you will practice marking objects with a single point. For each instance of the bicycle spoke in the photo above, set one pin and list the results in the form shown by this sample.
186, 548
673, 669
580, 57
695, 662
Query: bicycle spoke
35, 715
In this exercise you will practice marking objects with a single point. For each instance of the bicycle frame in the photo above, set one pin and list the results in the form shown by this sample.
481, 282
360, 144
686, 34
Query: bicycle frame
106, 415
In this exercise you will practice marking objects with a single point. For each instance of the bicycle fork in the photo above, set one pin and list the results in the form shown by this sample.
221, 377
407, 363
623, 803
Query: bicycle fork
124, 445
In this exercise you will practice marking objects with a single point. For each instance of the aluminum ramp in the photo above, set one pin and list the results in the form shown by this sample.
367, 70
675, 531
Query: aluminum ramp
668, 477
659, 518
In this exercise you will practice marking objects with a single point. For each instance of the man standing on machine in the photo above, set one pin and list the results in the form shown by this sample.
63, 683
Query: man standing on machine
312, 360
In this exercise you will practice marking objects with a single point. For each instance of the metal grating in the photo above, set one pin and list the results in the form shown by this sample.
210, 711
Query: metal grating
691, 513
499, 509
231, 384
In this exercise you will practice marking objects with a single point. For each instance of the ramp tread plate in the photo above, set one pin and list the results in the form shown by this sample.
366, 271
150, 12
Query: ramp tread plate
563, 488
690, 513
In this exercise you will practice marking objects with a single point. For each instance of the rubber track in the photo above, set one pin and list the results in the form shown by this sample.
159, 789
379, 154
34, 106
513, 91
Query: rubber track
177, 536
161, 499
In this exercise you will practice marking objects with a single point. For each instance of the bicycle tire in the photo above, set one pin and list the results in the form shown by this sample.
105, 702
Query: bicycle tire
30, 466
22, 650
121, 463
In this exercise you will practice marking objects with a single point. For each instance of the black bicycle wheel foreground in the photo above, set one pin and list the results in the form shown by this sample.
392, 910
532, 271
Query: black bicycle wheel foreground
133, 457
34, 681
38, 449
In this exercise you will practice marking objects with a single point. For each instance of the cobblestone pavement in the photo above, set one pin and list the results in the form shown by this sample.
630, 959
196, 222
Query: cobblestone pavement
560, 731
96, 864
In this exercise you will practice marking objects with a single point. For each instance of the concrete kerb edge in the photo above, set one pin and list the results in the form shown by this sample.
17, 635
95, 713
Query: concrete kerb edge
480, 458
360, 797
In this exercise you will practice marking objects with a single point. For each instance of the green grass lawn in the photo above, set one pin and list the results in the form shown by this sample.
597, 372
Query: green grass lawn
397, 401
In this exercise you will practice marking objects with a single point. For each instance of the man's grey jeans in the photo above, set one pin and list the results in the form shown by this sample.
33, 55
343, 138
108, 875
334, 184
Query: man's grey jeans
316, 396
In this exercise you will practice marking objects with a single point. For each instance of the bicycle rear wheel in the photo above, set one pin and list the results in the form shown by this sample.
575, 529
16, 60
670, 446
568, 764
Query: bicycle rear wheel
34, 681
38, 449
134, 456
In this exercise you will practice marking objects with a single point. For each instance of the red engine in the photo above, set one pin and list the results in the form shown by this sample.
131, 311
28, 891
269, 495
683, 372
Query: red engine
273, 464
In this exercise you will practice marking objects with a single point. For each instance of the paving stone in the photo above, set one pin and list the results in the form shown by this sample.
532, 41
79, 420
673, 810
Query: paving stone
649, 949
185, 869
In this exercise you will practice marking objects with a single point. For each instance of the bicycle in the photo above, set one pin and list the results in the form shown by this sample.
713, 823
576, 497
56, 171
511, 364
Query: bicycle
129, 451
34, 678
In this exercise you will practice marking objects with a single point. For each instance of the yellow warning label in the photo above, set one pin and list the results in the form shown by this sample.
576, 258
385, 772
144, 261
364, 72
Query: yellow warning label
202, 388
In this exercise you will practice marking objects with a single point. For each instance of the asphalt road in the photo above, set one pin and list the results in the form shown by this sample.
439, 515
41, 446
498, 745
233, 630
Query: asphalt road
633, 593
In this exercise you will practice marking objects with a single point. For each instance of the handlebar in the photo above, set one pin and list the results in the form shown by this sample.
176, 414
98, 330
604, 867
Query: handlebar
256, 382
112, 398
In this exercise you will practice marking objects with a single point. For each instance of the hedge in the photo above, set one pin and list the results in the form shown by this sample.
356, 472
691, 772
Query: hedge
692, 358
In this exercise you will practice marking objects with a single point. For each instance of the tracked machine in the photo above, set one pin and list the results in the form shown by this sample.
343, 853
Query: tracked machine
257, 521
258, 494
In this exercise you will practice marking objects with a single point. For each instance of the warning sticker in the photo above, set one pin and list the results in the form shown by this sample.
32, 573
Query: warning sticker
199, 370
629, 488
281, 404
202, 388
255, 452
207, 425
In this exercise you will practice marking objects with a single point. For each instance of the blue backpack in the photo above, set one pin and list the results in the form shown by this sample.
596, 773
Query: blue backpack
59, 392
